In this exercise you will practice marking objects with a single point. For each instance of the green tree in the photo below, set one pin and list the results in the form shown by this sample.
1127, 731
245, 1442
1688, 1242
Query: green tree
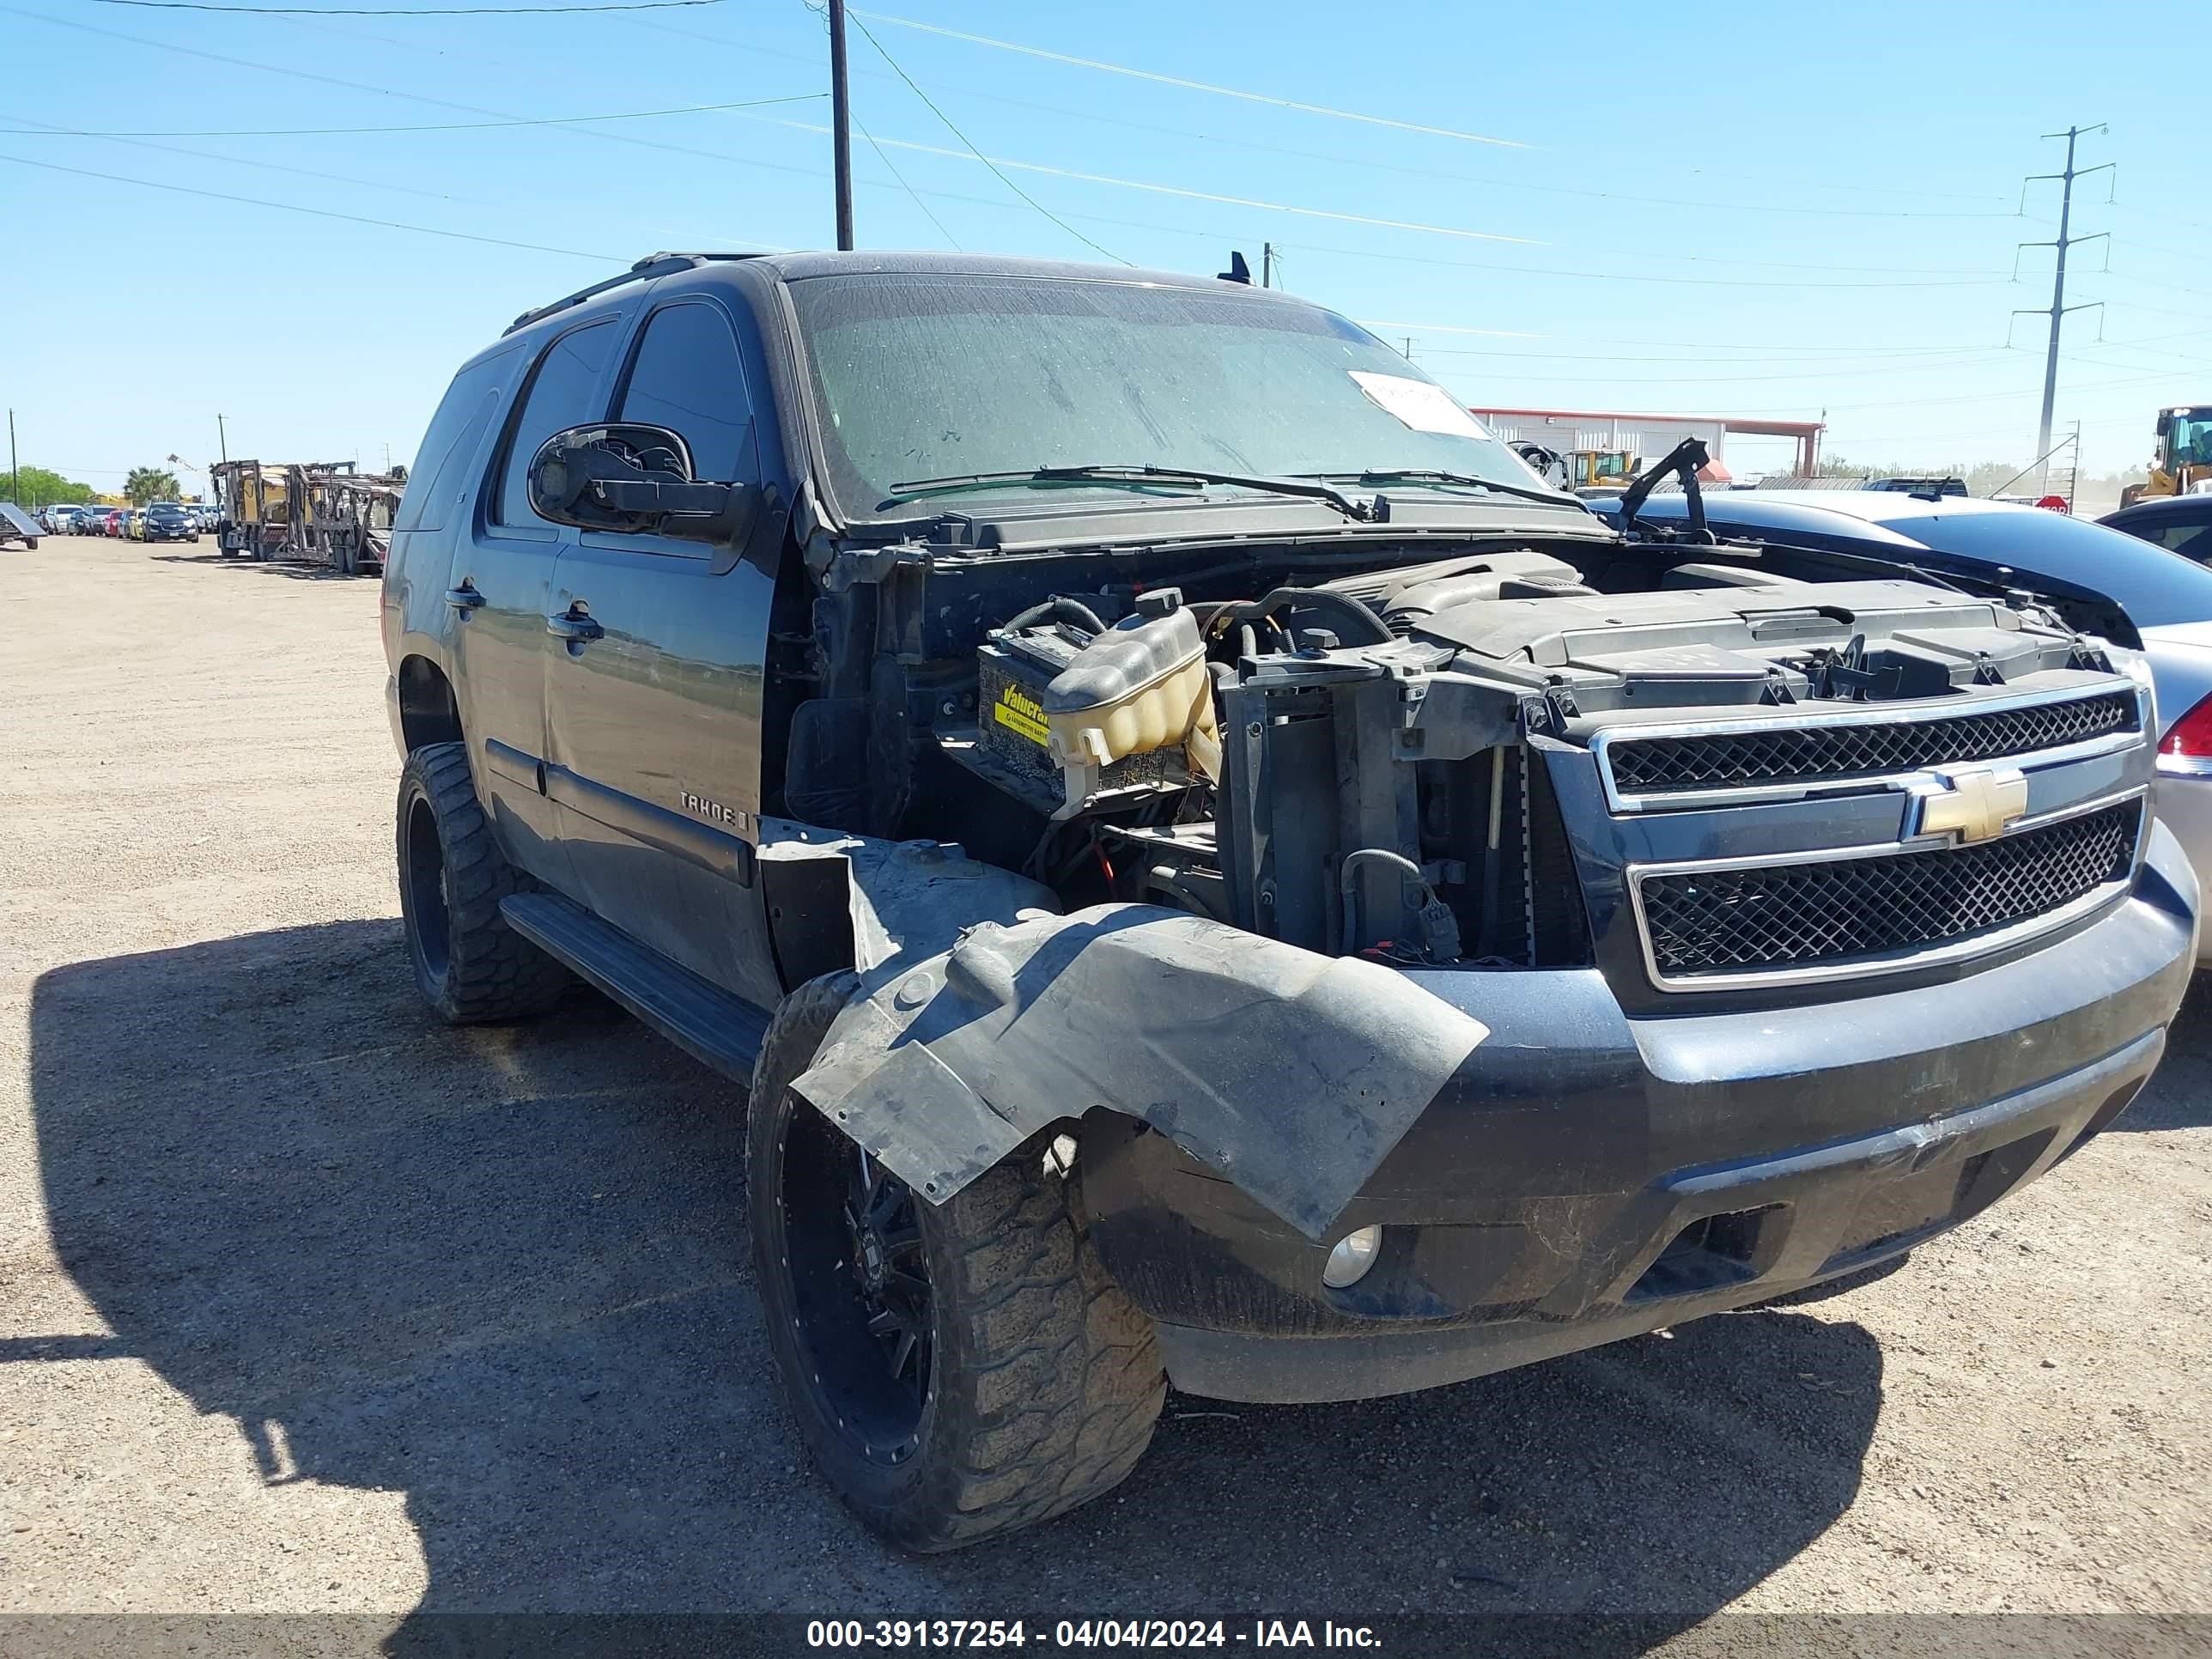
41, 486
150, 483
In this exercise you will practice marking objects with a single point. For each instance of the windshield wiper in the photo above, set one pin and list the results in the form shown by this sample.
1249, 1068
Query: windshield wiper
1434, 474
1106, 472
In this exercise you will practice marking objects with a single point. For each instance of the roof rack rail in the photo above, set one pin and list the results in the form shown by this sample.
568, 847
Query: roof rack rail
645, 270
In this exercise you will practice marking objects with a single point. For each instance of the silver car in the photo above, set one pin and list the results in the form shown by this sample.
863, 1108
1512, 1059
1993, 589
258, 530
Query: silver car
2133, 593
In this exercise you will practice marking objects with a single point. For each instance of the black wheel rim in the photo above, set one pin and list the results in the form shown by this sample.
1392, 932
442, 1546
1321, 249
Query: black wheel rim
862, 1307
426, 888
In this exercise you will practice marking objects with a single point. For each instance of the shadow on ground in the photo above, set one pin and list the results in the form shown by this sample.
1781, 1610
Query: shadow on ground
503, 1272
301, 573
2180, 1093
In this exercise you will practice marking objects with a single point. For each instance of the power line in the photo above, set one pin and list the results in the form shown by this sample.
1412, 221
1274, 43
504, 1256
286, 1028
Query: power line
322, 175
2156, 311
1193, 86
927, 213
1214, 236
1993, 279
1948, 279
1974, 397
1613, 277
1453, 175
1983, 359
272, 166
2160, 213
1487, 180
403, 11
2151, 281
932, 108
434, 126
320, 213
295, 74
745, 161
1814, 355
1351, 115
997, 162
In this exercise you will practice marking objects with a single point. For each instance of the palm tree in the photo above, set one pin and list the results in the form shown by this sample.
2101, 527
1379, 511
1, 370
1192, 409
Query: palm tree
150, 483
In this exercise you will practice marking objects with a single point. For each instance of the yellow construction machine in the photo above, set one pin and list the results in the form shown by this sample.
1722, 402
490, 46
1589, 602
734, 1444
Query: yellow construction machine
2181, 460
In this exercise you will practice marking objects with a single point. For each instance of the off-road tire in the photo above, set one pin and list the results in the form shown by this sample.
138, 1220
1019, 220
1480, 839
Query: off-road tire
1046, 1380
481, 970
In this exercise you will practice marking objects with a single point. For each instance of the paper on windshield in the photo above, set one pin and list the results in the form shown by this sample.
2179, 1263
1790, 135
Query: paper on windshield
1421, 405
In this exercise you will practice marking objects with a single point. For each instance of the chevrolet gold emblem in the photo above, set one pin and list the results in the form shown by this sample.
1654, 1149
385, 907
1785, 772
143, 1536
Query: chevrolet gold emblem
1977, 807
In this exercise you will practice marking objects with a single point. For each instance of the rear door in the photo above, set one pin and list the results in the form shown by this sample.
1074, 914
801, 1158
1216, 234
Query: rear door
654, 734
501, 576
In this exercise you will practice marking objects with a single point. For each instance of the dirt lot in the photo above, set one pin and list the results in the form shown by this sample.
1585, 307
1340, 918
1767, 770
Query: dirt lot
306, 1303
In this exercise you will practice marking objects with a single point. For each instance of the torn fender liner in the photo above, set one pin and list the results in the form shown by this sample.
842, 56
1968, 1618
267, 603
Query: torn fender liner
902, 899
1291, 1073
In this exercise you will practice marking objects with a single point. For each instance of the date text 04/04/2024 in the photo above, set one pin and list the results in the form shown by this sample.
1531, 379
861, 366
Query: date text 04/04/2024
1085, 1633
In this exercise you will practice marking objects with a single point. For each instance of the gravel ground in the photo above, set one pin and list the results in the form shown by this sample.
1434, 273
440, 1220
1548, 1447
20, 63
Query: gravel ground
307, 1304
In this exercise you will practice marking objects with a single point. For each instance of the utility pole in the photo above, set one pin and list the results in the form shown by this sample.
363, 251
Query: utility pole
1267, 264
14, 473
2058, 306
841, 123
221, 441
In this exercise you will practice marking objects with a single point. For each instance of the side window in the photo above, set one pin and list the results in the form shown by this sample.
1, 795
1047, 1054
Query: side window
2190, 540
454, 432
687, 377
560, 396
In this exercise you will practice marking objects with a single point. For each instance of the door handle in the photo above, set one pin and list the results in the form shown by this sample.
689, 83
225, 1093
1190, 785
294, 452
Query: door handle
574, 625
464, 599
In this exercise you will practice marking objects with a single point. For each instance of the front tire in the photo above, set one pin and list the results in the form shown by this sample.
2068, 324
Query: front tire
959, 1369
471, 966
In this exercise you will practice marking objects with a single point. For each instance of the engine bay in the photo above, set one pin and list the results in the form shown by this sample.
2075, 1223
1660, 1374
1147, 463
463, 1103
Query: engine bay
1352, 754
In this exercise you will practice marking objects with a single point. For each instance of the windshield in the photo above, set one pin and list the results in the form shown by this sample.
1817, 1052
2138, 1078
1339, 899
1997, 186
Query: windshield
2189, 438
921, 377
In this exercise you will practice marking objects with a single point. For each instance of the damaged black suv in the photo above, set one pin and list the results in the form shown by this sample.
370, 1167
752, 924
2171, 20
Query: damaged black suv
1211, 872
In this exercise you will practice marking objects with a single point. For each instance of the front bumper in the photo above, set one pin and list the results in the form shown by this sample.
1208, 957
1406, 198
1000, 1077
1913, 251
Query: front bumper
1586, 1175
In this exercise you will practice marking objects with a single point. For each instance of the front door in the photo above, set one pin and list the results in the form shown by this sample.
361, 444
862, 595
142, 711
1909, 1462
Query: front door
501, 577
653, 705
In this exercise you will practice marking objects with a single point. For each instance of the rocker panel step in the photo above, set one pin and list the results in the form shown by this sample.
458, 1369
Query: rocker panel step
710, 1024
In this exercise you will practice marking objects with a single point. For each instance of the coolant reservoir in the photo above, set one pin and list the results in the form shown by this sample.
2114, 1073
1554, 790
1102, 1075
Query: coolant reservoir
1139, 686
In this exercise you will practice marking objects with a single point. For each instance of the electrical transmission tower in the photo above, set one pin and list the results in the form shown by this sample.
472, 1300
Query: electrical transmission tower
2058, 306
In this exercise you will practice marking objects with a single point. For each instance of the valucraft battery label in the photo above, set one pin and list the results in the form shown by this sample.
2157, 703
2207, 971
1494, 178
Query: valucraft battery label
1018, 711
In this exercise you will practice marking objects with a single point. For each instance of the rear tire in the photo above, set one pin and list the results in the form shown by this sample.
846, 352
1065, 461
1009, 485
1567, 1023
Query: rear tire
1036, 1383
470, 965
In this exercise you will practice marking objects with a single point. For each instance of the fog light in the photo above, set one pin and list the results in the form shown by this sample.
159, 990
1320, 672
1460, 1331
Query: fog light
1354, 1254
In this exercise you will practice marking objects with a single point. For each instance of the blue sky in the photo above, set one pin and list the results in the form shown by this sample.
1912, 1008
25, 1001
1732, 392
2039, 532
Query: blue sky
1764, 209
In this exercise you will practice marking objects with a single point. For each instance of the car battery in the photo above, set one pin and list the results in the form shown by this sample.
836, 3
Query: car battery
1013, 671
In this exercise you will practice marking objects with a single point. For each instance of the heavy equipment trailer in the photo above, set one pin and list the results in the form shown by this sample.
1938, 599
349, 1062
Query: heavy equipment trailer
325, 513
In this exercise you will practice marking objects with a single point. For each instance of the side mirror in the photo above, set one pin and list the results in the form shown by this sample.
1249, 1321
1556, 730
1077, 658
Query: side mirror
634, 479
